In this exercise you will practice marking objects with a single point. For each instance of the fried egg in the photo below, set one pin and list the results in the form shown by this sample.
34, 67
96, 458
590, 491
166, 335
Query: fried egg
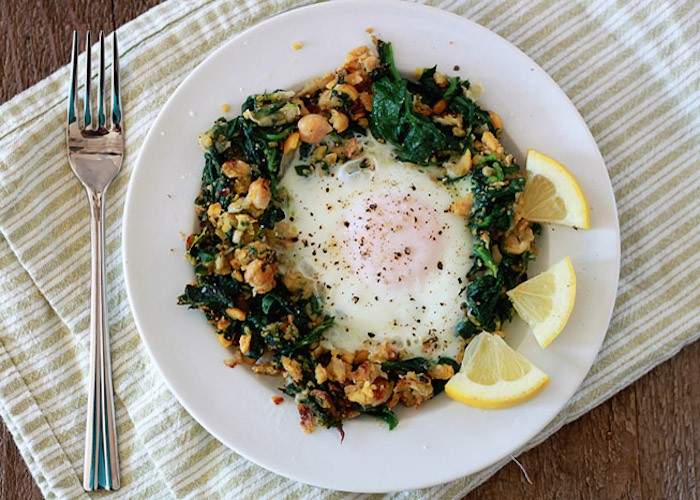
389, 258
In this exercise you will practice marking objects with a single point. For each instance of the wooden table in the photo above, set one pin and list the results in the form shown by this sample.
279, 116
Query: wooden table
642, 443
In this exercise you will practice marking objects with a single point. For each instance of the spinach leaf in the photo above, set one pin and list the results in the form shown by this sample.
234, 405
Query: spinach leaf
303, 170
271, 298
271, 216
401, 367
202, 247
483, 296
323, 415
315, 334
382, 412
386, 118
472, 115
211, 291
214, 183
439, 385
449, 361
422, 138
273, 335
466, 329
386, 58
291, 389
483, 257
278, 303
415, 137
429, 91
427, 87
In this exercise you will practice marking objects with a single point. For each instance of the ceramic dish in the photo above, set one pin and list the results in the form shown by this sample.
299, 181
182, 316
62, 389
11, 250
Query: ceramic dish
444, 440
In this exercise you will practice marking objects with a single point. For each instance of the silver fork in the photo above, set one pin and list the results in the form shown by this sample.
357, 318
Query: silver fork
95, 152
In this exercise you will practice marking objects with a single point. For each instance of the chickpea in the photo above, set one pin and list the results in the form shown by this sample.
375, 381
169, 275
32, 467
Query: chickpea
366, 100
462, 167
259, 194
244, 342
291, 142
491, 142
465, 162
332, 83
226, 222
235, 168
439, 106
462, 206
265, 369
320, 374
313, 128
348, 90
222, 265
260, 275
440, 79
213, 211
239, 171
441, 372
326, 100
235, 313
293, 368
519, 238
338, 370
224, 341
222, 324
361, 356
354, 78
458, 132
339, 120
206, 141
370, 63
496, 120
346, 356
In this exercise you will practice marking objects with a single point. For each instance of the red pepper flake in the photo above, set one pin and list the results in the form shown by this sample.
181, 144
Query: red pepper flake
277, 400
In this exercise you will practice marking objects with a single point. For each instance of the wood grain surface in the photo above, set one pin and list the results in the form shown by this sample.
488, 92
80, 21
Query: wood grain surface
643, 443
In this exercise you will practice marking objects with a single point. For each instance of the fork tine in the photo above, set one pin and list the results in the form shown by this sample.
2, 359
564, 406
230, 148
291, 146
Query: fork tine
87, 104
101, 118
72, 114
116, 98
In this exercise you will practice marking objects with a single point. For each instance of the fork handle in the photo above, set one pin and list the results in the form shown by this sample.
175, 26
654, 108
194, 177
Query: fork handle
101, 463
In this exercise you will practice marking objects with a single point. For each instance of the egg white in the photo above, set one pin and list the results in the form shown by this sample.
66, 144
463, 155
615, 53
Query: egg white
417, 310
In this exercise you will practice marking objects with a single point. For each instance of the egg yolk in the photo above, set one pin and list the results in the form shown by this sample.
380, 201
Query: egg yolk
393, 238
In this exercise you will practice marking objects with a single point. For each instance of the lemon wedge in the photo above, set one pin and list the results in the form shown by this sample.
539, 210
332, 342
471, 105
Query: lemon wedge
545, 301
552, 194
494, 376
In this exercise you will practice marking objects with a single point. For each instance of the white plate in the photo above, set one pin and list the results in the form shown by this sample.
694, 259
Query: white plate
443, 440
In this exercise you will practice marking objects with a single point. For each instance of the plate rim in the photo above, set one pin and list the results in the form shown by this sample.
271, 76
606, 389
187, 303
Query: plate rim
527, 438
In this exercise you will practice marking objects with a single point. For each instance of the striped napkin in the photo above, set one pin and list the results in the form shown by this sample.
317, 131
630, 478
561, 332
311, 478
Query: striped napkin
631, 68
